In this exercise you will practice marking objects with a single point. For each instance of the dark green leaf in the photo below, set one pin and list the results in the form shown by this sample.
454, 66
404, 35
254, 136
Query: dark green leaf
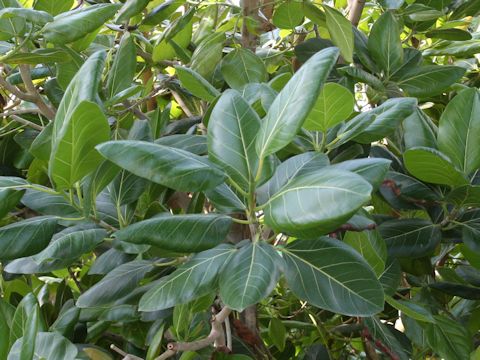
241, 66
164, 165
51, 346
331, 275
130, 9
122, 71
449, 34
341, 32
371, 246
449, 338
196, 84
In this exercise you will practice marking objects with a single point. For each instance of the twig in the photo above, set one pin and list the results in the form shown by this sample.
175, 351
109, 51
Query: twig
32, 90
124, 354
182, 104
15, 91
228, 331
19, 112
26, 122
135, 110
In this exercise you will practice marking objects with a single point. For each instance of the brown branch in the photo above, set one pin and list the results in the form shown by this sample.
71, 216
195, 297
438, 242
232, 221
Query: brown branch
15, 91
356, 10
216, 333
32, 91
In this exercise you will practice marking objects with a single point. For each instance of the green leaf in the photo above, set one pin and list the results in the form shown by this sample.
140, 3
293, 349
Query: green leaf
73, 154
39, 56
449, 338
130, 9
225, 199
249, 275
26, 237
66, 321
20, 317
384, 43
449, 34
371, 246
232, 131
332, 276
191, 280
459, 131
390, 277
196, 144
83, 86
341, 33
464, 48
410, 237
411, 309
318, 202
467, 195
29, 336
49, 204
181, 35
11, 27
175, 168
241, 67
432, 166
208, 54
419, 130
7, 312
277, 332
196, 84
9, 198
334, 105
33, 16
293, 104
182, 233
288, 14
116, 284
429, 80
392, 4
122, 71
53, 7
73, 25
371, 169
51, 346
385, 334
305, 163
71, 246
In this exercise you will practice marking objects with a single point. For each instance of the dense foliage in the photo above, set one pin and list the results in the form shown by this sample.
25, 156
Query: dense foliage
280, 180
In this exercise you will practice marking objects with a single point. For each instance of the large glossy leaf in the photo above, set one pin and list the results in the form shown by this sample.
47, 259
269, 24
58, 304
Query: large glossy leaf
49, 204
294, 102
191, 280
331, 275
249, 275
196, 84
334, 105
432, 166
429, 80
116, 284
26, 237
241, 66
459, 130
410, 237
232, 130
83, 86
384, 43
29, 336
371, 246
51, 346
295, 166
449, 338
73, 25
371, 169
182, 233
175, 168
122, 71
208, 54
196, 144
317, 203
74, 155
340, 30
130, 9
71, 246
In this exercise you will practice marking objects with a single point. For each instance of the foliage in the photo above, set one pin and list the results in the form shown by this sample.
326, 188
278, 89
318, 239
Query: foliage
168, 188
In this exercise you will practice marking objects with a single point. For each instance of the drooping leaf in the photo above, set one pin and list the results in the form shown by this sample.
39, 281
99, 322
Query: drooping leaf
241, 67
73, 25
334, 105
196, 84
73, 154
40, 56
429, 80
410, 237
164, 165
117, 283
318, 202
232, 131
26, 237
181, 233
249, 275
293, 104
459, 131
432, 166
411, 309
331, 275
341, 33
191, 280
